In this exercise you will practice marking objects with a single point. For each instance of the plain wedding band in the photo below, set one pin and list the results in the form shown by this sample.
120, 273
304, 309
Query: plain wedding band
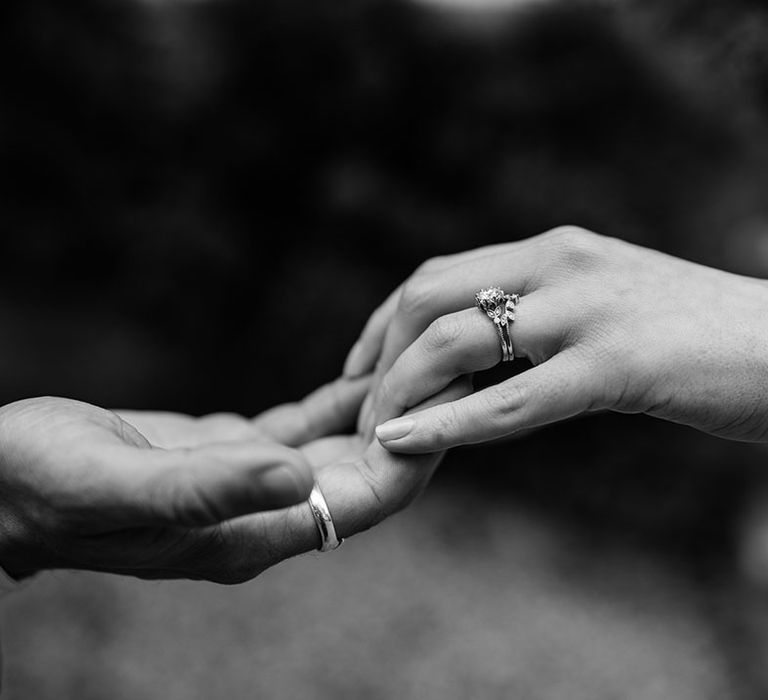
323, 520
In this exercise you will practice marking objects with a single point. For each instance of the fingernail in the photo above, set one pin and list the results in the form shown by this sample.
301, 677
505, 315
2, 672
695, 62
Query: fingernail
284, 481
353, 367
394, 429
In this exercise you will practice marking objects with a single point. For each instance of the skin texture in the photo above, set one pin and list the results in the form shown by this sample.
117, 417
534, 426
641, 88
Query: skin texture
163, 495
607, 325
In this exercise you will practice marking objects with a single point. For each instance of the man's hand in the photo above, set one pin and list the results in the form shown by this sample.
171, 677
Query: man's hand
161, 495
149, 493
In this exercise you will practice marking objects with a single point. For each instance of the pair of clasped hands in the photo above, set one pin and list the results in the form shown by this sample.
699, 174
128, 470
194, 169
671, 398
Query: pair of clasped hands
605, 324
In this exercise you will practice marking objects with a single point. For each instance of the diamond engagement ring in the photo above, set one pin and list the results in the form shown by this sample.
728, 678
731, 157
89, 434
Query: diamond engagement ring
500, 308
323, 520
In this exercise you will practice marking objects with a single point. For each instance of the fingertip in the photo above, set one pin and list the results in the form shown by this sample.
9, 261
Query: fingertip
259, 476
401, 435
284, 484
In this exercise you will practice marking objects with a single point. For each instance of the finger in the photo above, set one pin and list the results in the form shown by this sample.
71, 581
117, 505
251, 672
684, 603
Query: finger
465, 342
330, 409
378, 486
450, 288
362, 357
204, 485
172, 430
555, 390
454, 345
366, 351
369, 352
453, 288
326, 411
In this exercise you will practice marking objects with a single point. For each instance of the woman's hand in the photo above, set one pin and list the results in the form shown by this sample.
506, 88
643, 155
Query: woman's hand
607, 324
161, 495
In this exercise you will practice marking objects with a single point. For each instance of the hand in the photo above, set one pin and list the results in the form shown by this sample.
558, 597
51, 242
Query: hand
607, 325
160, 495
148, 493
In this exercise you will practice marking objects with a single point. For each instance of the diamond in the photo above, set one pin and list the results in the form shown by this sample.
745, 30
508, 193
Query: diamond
491, 298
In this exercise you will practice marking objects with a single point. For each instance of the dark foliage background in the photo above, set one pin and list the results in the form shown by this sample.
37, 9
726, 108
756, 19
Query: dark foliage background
202, 202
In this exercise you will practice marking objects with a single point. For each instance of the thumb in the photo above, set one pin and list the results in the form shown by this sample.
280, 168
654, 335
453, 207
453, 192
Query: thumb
205, 485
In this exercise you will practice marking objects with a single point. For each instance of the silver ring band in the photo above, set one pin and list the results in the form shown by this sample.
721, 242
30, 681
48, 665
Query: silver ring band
323, 520
500, 307
507, 351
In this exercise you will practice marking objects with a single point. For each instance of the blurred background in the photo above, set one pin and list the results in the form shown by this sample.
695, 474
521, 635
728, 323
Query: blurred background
174, 171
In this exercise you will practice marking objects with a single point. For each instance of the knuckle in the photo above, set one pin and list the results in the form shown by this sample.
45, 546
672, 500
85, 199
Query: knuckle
303, 418
432, 265
231, 424
298, 417
416, 298
379, 506
502, 400
286, 419
446, 420
567, 234
388, 389
444, 333
217, 556
395, 391
387, 497
574, 247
